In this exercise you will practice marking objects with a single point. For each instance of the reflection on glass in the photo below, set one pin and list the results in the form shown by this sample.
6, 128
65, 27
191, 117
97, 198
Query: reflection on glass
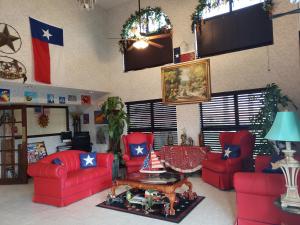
239, 4
224, 8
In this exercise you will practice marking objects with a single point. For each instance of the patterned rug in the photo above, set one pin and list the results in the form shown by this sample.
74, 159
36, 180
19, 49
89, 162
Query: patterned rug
183, 206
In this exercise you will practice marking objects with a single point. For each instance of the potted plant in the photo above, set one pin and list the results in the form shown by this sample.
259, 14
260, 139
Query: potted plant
273, 100
113, 110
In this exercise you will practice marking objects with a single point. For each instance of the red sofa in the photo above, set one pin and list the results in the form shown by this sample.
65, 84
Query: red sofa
219, 172
61, 185
255, 196
133, 164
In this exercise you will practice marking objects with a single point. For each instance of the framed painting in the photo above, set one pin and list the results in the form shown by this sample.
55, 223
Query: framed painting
99, 118
36, 151
185, 83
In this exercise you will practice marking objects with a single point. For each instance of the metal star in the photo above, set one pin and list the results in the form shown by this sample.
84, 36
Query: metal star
7, 39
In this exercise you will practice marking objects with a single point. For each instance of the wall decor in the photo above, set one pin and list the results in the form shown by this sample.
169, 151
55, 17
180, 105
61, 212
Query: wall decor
86, 118
30, 96
4, 95
43, 120
12, 69
102, 134
72, 98
185, 83
61, 100
10, 39
50, 98
36, 151
99, 117
85, 99
188, 56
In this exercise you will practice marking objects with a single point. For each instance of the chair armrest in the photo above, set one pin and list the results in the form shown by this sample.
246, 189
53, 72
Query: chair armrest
261, 162
213, 155
105, 159
46, 170
126, 157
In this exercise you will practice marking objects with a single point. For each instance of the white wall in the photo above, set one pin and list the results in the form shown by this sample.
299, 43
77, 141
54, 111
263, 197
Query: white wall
240, 70
85, 47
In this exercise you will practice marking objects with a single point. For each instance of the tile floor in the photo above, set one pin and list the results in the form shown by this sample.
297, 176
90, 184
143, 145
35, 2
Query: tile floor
16, 208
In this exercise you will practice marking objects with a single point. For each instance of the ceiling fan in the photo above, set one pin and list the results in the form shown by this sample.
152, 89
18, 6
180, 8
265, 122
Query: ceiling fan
143, 40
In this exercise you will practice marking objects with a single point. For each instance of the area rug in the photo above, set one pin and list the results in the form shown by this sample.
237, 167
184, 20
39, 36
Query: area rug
183, 207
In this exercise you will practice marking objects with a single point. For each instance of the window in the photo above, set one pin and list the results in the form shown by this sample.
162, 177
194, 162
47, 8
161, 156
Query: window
153, 116
229, 111
151, 21
228, 7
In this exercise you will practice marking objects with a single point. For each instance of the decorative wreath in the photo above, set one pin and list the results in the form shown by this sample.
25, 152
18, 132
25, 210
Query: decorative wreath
43, 120
196, 17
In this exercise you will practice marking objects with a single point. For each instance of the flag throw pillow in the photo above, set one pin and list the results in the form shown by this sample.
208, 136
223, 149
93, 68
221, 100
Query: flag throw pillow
137, 150
274, 166
46, 45
57, 161
231, 151
88, 160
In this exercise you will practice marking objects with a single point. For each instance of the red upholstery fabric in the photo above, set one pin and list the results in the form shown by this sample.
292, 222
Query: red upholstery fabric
218, 172
255, 196
133, 164
61, 185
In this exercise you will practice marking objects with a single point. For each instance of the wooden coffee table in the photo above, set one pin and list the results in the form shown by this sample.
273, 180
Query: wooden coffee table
145, 182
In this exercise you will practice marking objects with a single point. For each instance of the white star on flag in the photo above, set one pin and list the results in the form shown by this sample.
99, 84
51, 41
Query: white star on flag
88, 160
139, 150
227, 152
46, 34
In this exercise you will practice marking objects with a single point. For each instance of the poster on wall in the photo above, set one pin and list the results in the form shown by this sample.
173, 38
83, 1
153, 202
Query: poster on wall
30, 96
86, 118
36, 151
102, 134
4, 95
50, 98
99, 117
61, 100
72, 98
85, 99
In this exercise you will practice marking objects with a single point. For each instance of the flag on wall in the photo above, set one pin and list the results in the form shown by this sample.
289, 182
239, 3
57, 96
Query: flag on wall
46, 43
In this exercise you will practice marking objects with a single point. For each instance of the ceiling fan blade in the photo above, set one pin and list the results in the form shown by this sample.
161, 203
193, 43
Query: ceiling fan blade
159, 36
286, 13
155, 44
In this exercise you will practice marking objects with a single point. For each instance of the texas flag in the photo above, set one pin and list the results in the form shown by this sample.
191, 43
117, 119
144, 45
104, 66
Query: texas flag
46, 43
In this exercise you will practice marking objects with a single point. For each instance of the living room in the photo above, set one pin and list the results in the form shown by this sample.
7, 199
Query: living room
248, 54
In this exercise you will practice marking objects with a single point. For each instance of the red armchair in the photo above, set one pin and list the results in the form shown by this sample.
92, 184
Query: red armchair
218, 172
60, 185
133, 164
255, 196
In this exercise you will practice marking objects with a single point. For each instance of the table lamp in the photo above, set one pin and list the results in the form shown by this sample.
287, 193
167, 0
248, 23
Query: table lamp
286, 127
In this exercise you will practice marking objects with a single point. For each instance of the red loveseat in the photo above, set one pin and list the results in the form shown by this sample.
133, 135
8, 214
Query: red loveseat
255, 196
219, 172
61, 185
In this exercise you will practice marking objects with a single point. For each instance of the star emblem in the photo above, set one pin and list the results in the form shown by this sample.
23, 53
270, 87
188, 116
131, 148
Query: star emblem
88, 160
7, 39
139, 150
46, 34
227, 153
177, 56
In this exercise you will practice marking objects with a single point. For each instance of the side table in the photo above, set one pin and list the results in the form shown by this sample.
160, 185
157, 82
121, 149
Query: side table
290, 215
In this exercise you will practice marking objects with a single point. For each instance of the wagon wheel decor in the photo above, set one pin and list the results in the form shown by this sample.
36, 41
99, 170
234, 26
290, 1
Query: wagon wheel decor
43, 119
10, 39
12, 69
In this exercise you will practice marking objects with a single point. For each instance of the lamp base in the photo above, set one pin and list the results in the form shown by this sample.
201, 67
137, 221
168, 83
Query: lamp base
290, 167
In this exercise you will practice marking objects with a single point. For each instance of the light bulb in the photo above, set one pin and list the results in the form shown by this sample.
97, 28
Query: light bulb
141, 44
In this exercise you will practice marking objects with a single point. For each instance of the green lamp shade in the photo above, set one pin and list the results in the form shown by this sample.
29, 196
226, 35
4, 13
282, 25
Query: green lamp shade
286, 127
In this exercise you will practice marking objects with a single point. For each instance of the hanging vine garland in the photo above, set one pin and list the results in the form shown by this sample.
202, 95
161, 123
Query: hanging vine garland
197, 16
131, 28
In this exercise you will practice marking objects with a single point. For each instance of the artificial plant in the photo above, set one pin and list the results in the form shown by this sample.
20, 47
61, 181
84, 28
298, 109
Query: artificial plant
113, 110
197, 15
273, 100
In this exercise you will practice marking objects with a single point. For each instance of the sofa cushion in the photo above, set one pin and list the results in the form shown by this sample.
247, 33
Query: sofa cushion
88, 160
82, 176
217, 165
138, 150
274, 165
231, 151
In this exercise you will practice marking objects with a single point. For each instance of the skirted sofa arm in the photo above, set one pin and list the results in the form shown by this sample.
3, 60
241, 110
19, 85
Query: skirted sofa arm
46, 170
105, 160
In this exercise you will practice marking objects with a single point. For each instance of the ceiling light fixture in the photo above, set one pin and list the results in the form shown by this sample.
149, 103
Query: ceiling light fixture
141, 44
87, 4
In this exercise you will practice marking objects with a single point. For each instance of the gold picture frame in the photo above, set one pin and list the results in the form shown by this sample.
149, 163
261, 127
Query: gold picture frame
186, 83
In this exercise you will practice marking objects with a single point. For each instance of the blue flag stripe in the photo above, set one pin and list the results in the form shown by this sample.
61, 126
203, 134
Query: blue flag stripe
37, 28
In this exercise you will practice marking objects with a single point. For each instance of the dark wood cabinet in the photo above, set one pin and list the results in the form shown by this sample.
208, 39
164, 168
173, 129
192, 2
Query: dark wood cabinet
13, 144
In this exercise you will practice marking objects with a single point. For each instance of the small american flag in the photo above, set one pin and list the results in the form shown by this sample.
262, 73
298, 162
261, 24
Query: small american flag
146, 163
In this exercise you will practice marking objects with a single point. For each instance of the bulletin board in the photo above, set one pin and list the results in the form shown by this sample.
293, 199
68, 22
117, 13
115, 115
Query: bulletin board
58, 120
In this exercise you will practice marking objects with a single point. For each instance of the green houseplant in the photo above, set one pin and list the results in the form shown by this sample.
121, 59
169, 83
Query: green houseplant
273, 100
